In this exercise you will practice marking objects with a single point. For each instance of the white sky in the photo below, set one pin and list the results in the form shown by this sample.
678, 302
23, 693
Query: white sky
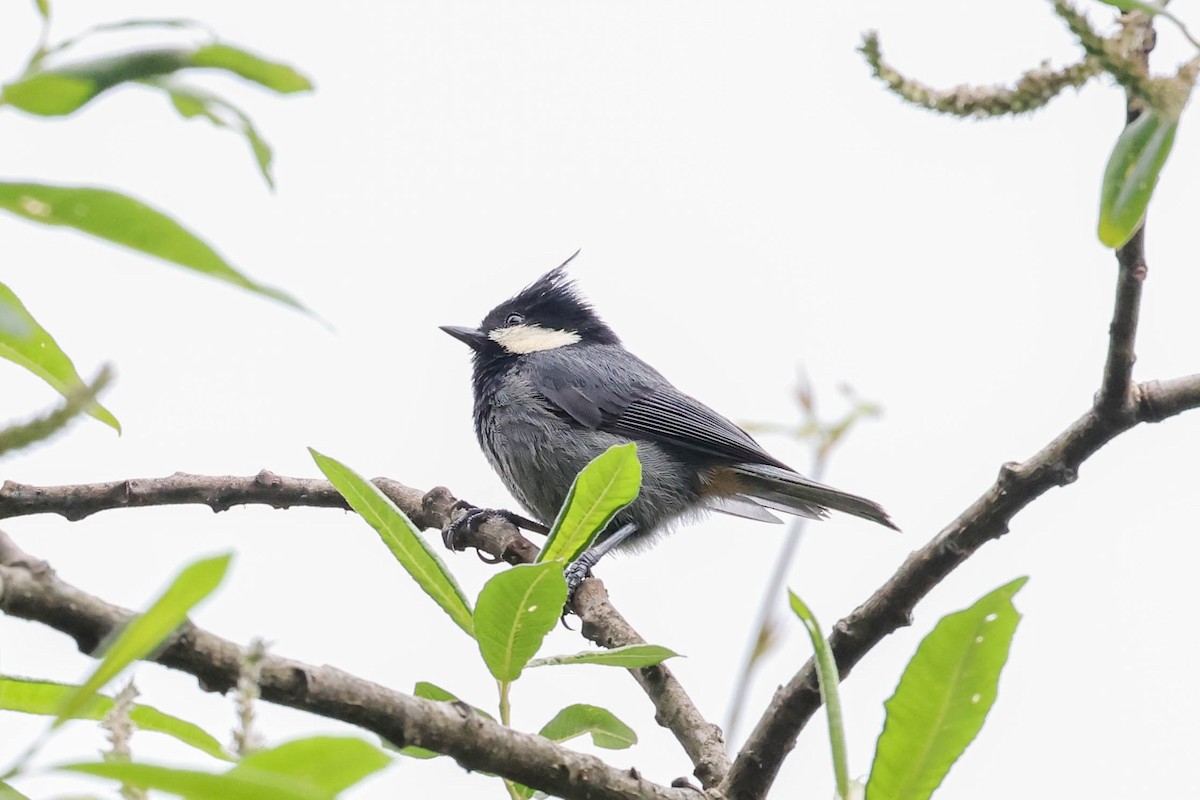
747, 199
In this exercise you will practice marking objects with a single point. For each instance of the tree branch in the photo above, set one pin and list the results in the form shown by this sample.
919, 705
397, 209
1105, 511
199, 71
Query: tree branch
218, 492
890, 607
30, 590
436, 508
1032, 90
1118, 406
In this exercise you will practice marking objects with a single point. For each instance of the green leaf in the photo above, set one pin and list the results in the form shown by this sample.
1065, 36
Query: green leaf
401, 537
633, 656
601, 489
23, 341
515, 611
46, 698
64, 90
146, 632
48, 94
270, 74
827, 680
430, 691
128, 222
43, 7
196, 785
9, 793
328, 763
1131, 175
607, 731
191, 103
943, 698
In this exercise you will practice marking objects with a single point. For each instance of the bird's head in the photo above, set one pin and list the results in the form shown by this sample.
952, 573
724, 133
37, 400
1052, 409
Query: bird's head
546, 315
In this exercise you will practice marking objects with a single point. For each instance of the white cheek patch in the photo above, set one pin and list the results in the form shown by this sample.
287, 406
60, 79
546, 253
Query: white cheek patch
520, 339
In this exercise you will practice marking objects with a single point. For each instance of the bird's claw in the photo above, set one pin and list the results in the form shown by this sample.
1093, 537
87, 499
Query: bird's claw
457, 535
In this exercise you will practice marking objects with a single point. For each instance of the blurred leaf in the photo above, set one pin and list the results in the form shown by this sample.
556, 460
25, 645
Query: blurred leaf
607, 731
328, 763
191, 103
1131, 175
23, 434
943, 698
606, 485
514, 612
64, 90
48, 95
23, 341
401, 537
125, 221
633, 656
195, 785
9, 793
46, 698
144, 633
827, 680
43, 7
270, 74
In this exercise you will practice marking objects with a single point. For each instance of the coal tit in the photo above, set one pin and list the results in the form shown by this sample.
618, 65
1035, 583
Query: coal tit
554, 388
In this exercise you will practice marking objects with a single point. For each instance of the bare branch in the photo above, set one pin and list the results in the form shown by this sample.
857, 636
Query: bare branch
701, 740
436, 508
604, 625
450, 728
218, 492
890, 607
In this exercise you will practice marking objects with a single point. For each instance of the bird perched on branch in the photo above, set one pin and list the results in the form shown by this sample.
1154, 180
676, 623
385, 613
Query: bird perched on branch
554, 388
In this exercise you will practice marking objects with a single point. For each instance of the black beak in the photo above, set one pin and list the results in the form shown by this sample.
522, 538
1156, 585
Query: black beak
472, 337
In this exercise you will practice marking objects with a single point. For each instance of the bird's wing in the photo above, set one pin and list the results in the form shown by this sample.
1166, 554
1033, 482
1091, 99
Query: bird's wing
638, 402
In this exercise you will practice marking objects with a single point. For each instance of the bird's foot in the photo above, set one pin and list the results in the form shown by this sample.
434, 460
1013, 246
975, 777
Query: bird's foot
457, 535
575, 573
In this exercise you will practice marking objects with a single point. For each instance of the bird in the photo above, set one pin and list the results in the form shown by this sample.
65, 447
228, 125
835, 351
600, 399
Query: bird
554, 388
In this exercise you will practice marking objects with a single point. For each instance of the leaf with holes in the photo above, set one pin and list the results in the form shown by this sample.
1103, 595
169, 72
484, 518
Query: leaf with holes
514, 612
943, 698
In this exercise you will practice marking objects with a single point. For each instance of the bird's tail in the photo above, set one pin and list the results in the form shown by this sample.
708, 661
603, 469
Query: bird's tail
790, 492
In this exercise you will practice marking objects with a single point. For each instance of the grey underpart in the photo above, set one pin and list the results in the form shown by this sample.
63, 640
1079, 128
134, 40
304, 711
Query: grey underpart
581, 567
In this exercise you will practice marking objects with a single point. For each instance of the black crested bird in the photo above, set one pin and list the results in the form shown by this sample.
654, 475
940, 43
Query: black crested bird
554, 388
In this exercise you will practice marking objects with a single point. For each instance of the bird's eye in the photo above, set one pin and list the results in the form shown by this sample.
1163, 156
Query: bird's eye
514, 319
